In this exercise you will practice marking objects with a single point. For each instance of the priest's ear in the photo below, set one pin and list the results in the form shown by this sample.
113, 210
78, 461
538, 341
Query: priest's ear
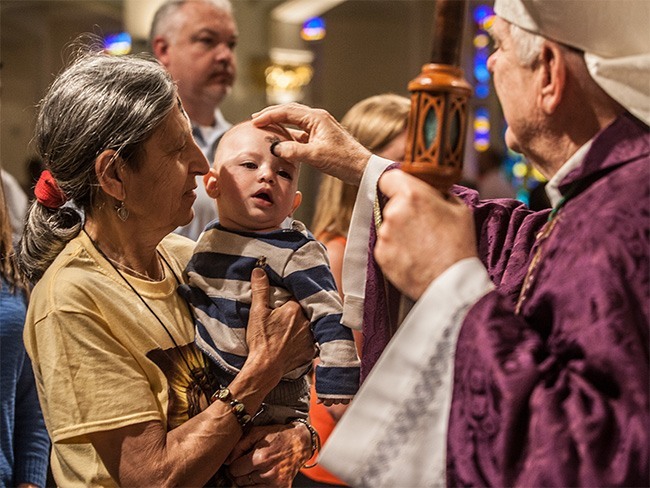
111, 173
553, 73
211, 182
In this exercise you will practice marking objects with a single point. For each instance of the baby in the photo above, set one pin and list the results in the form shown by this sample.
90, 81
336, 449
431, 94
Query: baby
255, 192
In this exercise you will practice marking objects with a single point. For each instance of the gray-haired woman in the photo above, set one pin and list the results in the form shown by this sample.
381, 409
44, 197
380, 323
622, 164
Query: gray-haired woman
127, 398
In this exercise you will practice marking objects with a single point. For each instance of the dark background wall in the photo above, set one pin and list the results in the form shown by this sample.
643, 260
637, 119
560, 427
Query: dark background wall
371, 47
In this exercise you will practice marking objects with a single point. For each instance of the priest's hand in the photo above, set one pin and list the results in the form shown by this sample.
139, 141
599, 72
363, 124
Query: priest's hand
423, 233
320, 141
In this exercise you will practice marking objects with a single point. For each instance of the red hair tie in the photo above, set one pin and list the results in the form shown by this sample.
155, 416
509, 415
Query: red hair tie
47, 191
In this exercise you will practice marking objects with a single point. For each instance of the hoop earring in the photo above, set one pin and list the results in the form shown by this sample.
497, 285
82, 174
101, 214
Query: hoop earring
122, 211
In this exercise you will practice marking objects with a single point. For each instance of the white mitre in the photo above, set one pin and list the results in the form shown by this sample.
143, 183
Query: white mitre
614, 35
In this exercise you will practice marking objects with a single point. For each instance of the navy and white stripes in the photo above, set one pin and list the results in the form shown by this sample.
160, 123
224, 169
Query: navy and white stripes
219, 292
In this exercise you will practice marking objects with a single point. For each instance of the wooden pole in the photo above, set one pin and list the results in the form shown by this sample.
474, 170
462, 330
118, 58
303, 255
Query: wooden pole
437, 124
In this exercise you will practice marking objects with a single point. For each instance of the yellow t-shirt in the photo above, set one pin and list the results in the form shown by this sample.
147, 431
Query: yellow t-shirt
102, 360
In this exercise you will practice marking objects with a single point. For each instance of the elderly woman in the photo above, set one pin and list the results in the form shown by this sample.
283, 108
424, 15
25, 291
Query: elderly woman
126, 397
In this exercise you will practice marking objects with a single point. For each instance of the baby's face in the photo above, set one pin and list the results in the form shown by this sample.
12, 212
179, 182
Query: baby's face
257, 190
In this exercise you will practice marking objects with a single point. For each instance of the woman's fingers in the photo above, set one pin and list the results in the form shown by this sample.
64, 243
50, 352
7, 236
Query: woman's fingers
259, 291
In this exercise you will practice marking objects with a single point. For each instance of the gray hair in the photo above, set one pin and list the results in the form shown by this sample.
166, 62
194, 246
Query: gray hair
166, 21
528, 46
98, 102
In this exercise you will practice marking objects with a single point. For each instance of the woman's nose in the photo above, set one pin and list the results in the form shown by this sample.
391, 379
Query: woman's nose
199, 163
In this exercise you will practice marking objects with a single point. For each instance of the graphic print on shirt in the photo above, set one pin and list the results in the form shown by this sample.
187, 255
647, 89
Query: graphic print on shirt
190, 381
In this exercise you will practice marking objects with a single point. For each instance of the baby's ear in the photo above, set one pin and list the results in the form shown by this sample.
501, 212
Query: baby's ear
297, 200
211, 182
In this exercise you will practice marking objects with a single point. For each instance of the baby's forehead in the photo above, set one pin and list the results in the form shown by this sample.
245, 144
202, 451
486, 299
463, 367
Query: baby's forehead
270, 133
246, 139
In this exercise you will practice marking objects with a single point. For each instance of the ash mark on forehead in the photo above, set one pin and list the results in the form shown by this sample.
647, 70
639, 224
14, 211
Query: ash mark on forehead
274, 140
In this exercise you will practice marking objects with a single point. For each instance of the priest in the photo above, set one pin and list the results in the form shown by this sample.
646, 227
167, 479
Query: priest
525, 360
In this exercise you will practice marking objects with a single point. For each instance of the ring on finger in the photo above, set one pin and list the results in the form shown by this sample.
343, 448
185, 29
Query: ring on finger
275, 143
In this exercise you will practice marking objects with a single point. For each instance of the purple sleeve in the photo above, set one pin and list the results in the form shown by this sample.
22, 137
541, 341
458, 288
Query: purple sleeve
499, 226
505, 234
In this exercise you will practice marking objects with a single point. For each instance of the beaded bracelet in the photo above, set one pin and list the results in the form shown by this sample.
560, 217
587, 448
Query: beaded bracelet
315, 440
236, 407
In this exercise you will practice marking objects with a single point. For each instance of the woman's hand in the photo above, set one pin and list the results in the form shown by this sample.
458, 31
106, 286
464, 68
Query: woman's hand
280, 339
323, 144
270, 456
146, 454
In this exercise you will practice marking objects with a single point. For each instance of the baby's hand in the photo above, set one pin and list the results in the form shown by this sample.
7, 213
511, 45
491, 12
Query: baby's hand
328, 402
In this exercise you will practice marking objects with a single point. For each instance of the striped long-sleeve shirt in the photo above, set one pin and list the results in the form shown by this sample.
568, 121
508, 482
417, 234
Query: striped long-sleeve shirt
219, 293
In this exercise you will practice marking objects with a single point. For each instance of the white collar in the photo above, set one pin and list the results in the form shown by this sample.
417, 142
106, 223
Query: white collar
552, 190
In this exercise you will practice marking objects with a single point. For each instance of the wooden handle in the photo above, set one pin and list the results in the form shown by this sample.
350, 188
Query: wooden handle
437, 123
448, 32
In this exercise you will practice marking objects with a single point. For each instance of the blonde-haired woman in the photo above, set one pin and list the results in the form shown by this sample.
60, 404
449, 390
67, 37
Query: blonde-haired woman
379, 123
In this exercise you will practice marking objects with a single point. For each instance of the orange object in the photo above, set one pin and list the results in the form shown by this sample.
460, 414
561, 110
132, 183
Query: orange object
324, 424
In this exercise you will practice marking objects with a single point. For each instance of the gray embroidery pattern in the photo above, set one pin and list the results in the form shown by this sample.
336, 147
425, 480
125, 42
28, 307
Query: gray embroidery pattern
417, 412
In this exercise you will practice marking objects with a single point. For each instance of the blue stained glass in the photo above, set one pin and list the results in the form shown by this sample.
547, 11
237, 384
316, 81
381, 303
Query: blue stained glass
482, 90
481, 56
314, 23
481, 73
118, 44
481, 12
482, 139
482, 112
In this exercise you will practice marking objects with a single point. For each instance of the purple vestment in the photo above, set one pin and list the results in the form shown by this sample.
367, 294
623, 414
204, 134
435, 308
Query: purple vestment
558, 395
